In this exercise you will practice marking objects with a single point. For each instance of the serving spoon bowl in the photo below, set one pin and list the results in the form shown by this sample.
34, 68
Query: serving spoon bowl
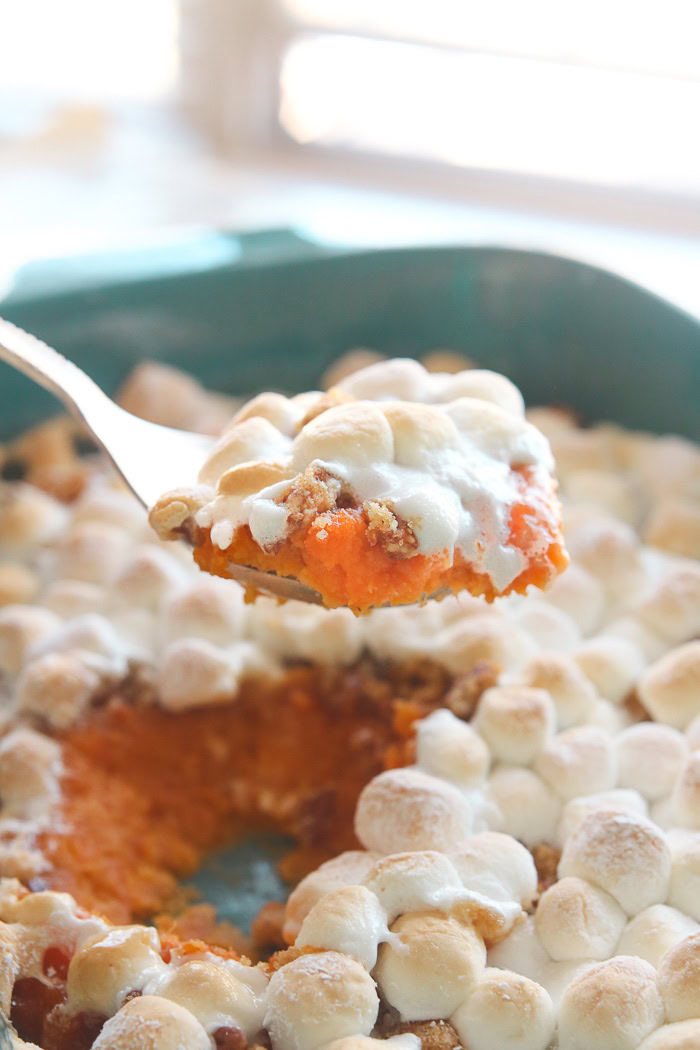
151, 459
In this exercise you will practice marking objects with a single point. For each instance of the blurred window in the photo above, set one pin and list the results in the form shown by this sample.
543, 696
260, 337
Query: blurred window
606, 92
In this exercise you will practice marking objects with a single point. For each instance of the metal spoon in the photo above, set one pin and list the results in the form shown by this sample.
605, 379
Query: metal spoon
150, 458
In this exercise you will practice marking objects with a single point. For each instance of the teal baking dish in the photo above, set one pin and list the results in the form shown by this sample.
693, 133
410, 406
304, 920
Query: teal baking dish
272, 309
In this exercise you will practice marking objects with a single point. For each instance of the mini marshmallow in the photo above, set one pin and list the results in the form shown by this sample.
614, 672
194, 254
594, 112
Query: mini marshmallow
612, 492
403, 1041
406, 882
670, 688
507, 1011
674, 525
106, 969
672, 609
90, 633
18, 584
549, 626
251, 439
612, 1006
109, 506
209, 609
683, 1035
685, 799
349, 920
486, 386
429, 966
397, 379
194, 672
318, 998
350, 362
521, 951
92, 551
618, 801
214, 995
684, 890
625, 855
649, 758
612, 718
21, 627
149, 575
29, 766
70, 598
651, 645
529, 808
405, 809
612, 664
58, 687
654, 931
162, 394
560, 676
306, 632
580, 595
28, 517
575, 920
497, 866
347, 869
609, 550
448, 747
482, 639
577, 762
516, 722
355, 434
679, 979
169, 1027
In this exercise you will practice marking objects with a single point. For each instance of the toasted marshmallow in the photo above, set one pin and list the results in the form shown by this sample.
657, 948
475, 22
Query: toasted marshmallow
482, 639
670, 688
576, 920
147, 577
18, 584
618, 801
415, 881
91, 551
110, 506
613, 665
349, 920
528, 806
612, 1006
684, 891
69, 598
560, 676
683, 1035
209, 609
674, 525
692, 734
498, 867
317, 999
29, 766
578, 761
486, 386
306, 632
448, 747
405, 809
162, 394
625, 855
505, 1010
609, 550
654, 931
214, 995
350, 362
685, 800
105, 970
10, 964
28, 517
168, 1025
58, 687
612, 492
403, 1041
649, 758
347, 869
549, 626
91, 634
252, 439
516, 722
672, 609
194, 672
21, 627
429, 966
521, 951
580, 595
679, 979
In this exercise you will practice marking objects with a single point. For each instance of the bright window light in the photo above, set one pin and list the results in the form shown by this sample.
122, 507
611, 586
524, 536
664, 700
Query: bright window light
96, 51
491, 111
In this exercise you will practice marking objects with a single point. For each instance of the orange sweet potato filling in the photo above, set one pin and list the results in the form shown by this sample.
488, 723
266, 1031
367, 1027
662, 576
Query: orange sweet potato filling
339, 556
146, 794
